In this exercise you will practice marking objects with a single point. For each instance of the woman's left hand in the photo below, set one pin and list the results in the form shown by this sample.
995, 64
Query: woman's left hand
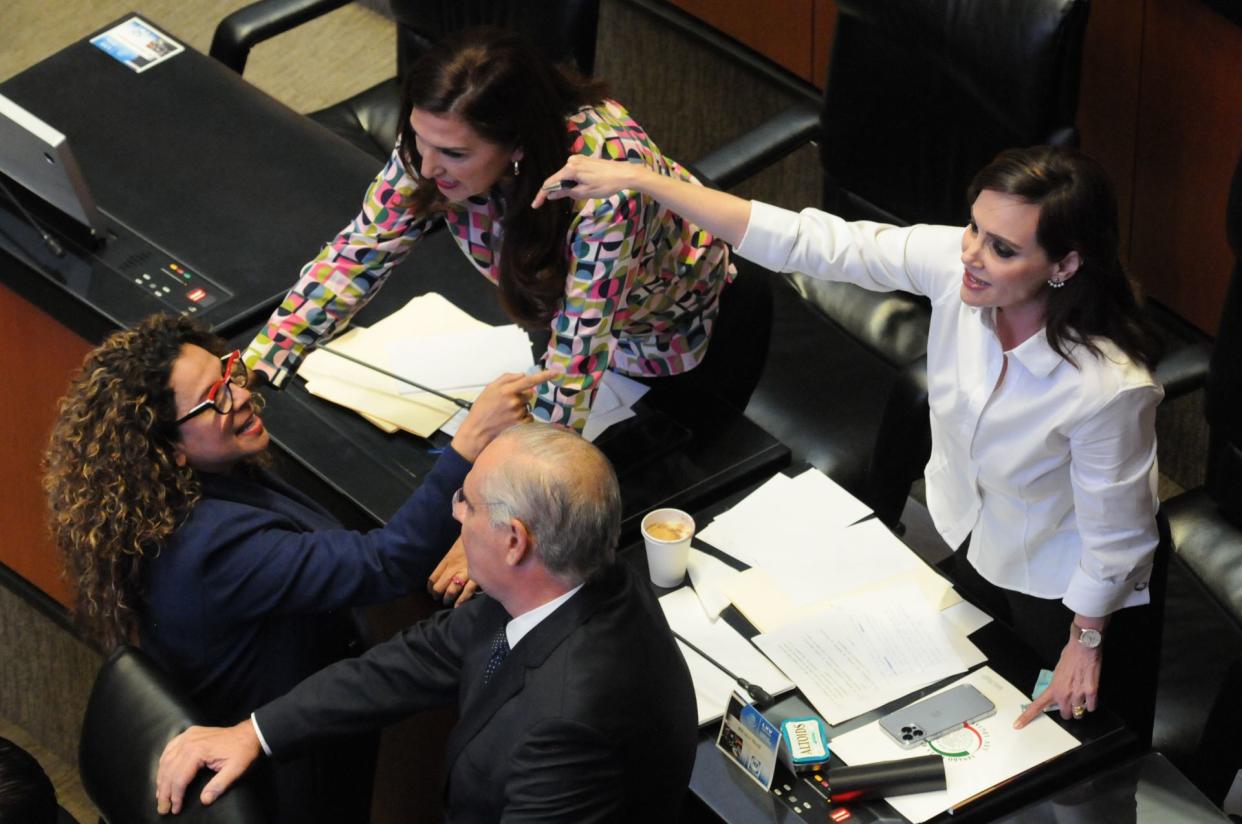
450, 581
1075, 683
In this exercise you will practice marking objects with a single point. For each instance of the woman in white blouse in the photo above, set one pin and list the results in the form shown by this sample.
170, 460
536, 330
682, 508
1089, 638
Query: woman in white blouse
1042, 399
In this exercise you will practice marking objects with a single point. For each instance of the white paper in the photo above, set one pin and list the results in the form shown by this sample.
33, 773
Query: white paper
613, 401
864, 651
978, 758
708, 575
723, 643
459, 359
965, 617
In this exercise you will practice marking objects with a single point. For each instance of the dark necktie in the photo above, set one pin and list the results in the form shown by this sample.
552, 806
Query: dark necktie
500, 648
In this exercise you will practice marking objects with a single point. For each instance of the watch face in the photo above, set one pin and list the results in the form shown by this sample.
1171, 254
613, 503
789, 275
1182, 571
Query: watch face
1089, 638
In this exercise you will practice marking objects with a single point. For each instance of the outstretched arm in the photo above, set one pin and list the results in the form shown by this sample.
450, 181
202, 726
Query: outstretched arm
720, 213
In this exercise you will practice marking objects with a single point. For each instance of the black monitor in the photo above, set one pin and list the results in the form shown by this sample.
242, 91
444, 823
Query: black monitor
37, 157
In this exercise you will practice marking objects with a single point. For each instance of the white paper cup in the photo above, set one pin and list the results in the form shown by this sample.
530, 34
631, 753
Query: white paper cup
668, 549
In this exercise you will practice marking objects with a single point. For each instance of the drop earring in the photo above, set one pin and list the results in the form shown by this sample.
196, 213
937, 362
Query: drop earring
517, 171
1056, 284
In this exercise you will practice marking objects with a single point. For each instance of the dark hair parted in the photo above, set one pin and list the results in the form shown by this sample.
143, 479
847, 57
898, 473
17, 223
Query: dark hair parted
504, 89
114, 489
1077, 213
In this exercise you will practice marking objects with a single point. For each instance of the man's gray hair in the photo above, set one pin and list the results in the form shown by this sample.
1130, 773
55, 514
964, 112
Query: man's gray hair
563, 489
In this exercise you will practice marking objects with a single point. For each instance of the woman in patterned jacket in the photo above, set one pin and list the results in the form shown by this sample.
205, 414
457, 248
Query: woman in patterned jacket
621, 282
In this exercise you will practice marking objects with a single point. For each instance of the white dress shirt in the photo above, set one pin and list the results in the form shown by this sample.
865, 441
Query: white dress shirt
1053, 472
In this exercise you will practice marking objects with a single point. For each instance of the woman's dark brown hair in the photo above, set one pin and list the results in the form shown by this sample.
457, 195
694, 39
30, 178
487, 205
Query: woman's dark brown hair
1077, 213
512, 96
115, 491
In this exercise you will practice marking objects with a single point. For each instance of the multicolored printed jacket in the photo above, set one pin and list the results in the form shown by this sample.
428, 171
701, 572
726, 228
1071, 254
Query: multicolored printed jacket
641, 292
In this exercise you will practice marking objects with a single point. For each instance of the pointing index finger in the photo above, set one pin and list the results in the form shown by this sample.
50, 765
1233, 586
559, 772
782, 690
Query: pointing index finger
525, 382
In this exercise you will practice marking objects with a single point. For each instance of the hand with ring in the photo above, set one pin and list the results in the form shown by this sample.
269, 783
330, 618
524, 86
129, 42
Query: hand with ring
450, 582
1075, 683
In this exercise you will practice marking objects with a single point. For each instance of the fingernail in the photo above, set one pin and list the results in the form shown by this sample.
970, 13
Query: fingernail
209, 797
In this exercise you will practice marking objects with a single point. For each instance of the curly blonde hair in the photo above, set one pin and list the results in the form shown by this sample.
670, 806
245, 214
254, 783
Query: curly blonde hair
114, 489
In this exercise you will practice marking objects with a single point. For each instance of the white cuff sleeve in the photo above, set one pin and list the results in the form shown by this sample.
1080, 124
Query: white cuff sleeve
768, 238
254, 722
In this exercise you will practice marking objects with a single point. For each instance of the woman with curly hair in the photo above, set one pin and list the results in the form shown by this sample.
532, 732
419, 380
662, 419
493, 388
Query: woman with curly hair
177, 538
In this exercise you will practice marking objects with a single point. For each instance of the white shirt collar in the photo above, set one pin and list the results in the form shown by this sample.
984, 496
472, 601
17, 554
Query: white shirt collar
1035, 353
518, 627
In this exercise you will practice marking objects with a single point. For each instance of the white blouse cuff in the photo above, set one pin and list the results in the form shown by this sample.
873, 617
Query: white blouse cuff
1093, 598
768, 238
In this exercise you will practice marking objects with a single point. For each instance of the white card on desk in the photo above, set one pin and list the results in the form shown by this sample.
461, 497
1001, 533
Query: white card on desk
977, 758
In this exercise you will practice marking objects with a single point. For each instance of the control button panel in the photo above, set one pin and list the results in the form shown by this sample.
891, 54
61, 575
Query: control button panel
176, 286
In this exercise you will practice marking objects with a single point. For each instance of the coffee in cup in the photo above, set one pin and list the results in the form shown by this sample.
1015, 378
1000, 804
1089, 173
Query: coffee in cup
667, 533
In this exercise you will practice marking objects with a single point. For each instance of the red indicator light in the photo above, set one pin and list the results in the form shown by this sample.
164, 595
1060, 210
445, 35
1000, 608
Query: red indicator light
196, 294
839, 815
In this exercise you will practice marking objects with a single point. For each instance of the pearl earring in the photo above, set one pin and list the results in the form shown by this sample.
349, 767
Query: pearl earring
1056, 284
517, 171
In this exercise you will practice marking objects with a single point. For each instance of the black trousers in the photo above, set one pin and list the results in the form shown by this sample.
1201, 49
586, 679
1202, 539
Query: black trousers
735, 357
1131, 650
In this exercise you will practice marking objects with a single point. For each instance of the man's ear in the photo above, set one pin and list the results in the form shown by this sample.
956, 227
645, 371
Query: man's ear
519, 543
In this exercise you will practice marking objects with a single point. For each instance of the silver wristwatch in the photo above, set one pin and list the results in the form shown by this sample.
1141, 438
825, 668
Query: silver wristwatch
1089, 638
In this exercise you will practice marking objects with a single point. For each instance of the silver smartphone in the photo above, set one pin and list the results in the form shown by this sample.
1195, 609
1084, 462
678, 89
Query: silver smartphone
936, 715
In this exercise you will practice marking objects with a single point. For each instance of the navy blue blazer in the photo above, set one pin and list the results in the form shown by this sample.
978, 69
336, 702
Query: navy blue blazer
239, 602
591, 717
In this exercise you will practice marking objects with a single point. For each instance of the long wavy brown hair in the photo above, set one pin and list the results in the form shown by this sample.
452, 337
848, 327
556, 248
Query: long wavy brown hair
513, 96
114, 489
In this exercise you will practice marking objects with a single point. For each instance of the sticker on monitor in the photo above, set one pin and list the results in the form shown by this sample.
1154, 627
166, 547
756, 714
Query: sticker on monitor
137, 44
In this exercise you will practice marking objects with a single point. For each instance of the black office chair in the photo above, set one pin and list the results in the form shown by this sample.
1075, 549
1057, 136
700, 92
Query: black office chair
133, 712
1204, 629
564, 29
921, 94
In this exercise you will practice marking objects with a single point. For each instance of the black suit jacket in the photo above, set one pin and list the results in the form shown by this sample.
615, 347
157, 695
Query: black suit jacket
591, 717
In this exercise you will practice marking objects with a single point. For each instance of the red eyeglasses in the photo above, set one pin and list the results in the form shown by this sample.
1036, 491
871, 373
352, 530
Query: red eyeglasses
220, 396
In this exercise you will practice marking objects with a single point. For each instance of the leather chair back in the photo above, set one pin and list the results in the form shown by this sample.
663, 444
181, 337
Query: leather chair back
563, 29
1224, 383
133, 712
923, 93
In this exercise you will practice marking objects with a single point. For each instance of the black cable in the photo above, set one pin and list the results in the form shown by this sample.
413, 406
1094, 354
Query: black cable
50, 242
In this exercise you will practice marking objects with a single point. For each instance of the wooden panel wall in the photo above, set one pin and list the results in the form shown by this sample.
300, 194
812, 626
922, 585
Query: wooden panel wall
795, 34
36, 360
1187, 143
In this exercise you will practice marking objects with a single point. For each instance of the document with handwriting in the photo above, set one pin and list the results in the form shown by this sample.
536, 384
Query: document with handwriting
864, 651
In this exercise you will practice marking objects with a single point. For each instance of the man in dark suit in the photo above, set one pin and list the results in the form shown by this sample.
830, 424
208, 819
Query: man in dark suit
574, 703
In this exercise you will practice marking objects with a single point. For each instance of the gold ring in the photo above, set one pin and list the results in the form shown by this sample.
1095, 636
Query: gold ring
1079, 711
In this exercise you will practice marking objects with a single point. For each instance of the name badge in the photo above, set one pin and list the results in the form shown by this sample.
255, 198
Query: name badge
749, 740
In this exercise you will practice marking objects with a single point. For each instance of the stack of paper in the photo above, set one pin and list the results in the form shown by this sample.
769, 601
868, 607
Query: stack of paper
712, 686
865, 650
846, 609
431, 342
976, 758
435, 344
